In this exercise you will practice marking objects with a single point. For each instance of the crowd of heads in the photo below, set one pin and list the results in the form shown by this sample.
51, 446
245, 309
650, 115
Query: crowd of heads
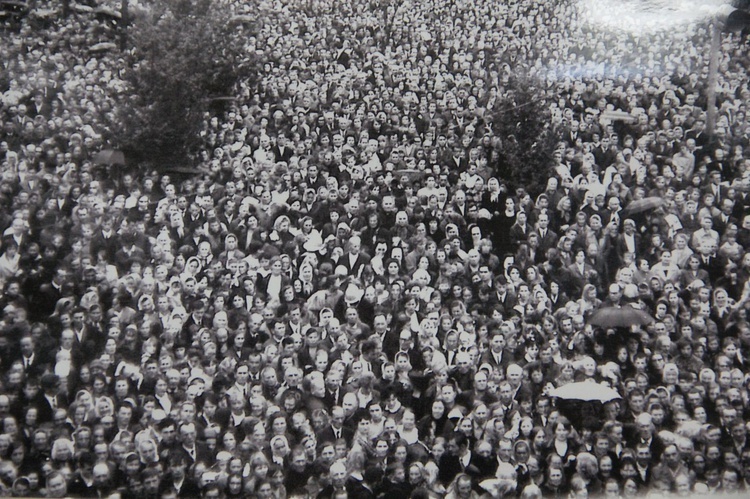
349, 300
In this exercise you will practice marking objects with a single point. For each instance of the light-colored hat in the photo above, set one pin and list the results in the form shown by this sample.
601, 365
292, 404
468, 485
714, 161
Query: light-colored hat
353, 293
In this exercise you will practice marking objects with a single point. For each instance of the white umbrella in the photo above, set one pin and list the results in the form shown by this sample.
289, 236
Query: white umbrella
587, 391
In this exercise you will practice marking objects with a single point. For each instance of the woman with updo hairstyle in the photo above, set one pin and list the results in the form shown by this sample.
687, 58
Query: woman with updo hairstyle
236, 309
379, 452
565, 249
279, 426
563, 216
514, 276
435, 424
392, 271
290, 401
606, 468
567, 374
403, 371
589, 302
562, 443
670, 376
538, 442
416, 476
289, 299
18, 454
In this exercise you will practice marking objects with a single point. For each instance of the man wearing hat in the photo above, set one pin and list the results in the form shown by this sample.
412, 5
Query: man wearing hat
353, 299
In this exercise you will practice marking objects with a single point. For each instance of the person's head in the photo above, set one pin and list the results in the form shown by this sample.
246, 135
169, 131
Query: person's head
463, 485
56, 485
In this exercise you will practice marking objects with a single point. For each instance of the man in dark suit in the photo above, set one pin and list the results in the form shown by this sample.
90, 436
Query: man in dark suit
194, 322
67, 349
459, 204
178, 480
580, 270
519, 231
725, 218
451, 463
644, 462
547, 237
629, 241
49, 399
190, 450
354, 260
371, 356
711, 261
603, 154
457, 160
699, 135
503, 296
33, 364
283, 151
39, 106
129, 252
740, 443
334, 395
336, 430
86, 339
542, 411
643, 433
495, 356
387, 337
45, 297
714, 186
81, 484
105, 239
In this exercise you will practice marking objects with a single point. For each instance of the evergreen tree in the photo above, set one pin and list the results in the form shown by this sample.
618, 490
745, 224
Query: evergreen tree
183, 54
527, 139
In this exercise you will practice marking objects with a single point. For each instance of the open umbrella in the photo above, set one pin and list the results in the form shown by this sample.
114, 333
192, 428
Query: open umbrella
587, 391
620, 317
109, 157
645, 204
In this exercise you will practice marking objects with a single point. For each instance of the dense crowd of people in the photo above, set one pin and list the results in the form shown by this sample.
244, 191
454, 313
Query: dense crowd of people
350, 301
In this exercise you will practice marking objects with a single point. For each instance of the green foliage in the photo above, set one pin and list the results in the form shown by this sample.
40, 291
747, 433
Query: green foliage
183, 54
522, 121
